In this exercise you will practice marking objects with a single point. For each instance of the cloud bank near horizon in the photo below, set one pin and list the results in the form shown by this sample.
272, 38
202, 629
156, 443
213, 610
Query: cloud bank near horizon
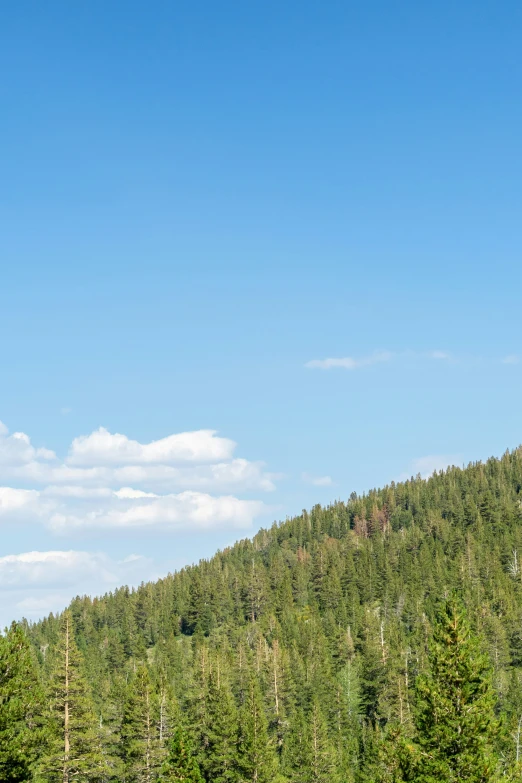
185, 480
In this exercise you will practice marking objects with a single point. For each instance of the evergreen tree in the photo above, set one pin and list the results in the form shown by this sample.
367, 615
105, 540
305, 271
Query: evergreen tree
295, 747
318, 762
21, 705
180, 764
330, 608
455, 720
257, 760
74, 753
221, 758
139, 730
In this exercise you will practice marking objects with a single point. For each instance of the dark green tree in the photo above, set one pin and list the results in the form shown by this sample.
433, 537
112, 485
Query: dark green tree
21, 706
320, 753
221, 758
180, 764
140, 730
257, 759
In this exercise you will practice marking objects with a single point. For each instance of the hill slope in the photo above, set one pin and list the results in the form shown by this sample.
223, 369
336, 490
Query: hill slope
321, 621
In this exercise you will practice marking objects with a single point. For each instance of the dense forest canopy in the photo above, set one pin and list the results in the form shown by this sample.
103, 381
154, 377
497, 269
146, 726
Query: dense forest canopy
320, 650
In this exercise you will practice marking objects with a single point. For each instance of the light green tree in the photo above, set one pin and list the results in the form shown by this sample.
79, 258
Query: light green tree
455, 718
74, 751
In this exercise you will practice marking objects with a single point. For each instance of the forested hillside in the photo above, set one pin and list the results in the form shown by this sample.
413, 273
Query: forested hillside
305, 654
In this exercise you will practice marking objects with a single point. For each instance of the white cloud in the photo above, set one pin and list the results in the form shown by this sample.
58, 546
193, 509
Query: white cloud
16, 499
23, 505
351, 363
237, 475
441, 355
511, 359
116, 483
104, 448
348, 362
188, 481
16, 449
54, 568
72, 491
426, 466
127, 493
186, 510
317, 481
32, 584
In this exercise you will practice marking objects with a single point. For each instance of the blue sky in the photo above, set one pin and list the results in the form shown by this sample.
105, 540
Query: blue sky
198, 200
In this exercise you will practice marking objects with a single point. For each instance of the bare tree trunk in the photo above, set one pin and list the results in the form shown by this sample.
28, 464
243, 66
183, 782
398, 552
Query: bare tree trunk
517, 738
275, 650
66, 708
148, 752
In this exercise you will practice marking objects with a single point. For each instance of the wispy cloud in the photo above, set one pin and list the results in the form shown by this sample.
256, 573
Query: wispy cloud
441, 355
317, 481
437, 355
348, 362
426, 466
35, 583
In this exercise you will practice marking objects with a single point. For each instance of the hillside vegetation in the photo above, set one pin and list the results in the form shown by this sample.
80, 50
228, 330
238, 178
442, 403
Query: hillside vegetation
310, 653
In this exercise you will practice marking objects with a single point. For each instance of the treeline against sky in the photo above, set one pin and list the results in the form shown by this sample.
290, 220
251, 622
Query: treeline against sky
306, 654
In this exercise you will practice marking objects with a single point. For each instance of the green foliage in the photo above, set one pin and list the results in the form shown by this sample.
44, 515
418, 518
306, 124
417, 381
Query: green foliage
140, 730
455, 721
181, 764
21, 706
74, 751
221, 755
257, 760
307, 650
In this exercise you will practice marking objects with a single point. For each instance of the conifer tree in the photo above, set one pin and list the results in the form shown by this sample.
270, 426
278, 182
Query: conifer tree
180, 764
221, 758
74, 753
21, 705
294, 749
321, 756
455, 719
257, 760
139, 731
311, 757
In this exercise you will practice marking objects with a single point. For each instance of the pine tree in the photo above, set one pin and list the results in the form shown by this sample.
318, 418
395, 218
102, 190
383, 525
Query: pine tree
309, 755
74, 753
294, 748
455, 719
320, 754
256, 757
180, 764
21, 705
221, 756
139, 730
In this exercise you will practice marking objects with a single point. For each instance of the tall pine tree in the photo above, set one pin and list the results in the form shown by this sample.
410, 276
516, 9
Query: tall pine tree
74, 753
221, 758
140, 730
257, 759
21, 706
455, 719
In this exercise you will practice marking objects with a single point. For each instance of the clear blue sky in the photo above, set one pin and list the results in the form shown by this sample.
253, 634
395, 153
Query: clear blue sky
196, 200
